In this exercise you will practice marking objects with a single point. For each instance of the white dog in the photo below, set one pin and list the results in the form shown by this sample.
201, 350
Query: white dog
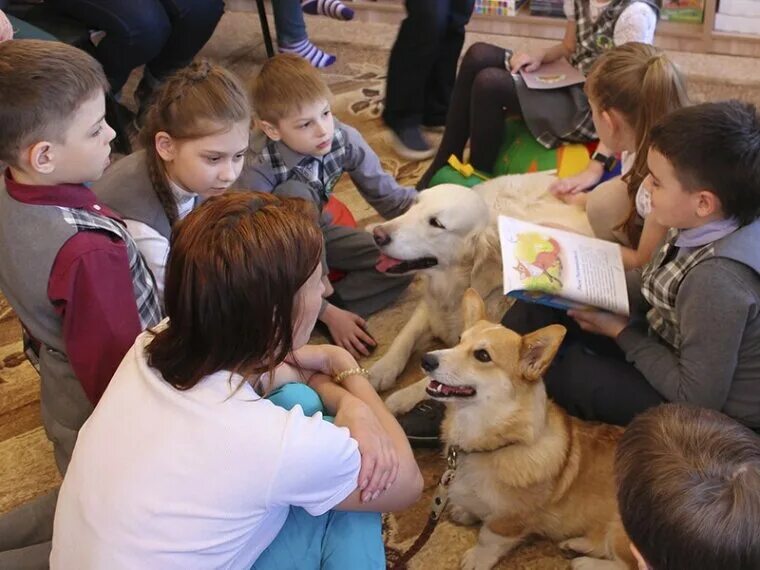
450, 237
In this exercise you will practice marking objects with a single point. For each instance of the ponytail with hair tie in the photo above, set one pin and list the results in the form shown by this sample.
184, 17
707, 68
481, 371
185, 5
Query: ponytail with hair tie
642, 84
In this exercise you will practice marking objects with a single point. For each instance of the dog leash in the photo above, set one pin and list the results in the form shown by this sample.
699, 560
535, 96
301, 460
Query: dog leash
440, 500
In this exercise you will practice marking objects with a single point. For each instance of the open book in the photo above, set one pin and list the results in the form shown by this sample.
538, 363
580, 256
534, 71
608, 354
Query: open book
559, 73
561, 269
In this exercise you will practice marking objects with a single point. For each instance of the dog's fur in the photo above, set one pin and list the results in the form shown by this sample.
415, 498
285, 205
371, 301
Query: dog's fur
454, 226
467, 253
526, 467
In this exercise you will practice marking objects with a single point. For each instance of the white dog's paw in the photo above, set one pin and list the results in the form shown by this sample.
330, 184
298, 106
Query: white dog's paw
400, 402
579, 544
588, 563
462, 516
405, 399
477, 558
384, 373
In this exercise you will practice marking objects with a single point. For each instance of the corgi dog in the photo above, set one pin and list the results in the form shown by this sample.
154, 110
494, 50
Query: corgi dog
524, 466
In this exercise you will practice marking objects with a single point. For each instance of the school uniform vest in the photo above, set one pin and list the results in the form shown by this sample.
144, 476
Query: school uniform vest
320, 174
660, 281
127, 189
561, 115
593, 38
26, 262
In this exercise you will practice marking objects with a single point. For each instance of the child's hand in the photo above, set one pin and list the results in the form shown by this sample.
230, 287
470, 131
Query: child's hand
600, 322
527, 61
580, 182
348, 330
380, 461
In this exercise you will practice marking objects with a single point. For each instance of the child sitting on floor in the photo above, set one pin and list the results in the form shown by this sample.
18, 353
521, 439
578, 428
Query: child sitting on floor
694, 331
68, 267
305, 153
689, 490
630, 88
195, 139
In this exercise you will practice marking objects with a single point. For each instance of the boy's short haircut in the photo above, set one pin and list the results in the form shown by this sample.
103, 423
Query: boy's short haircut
42, 84
285, 84
715, 147
689, 489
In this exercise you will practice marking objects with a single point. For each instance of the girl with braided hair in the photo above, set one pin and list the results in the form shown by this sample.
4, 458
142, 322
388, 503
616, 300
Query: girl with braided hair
194, 140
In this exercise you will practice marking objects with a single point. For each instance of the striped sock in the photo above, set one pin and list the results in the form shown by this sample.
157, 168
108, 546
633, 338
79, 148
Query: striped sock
332, 8
309, 52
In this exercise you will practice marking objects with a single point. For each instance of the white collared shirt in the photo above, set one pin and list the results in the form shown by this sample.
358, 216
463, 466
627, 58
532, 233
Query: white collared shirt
155, 247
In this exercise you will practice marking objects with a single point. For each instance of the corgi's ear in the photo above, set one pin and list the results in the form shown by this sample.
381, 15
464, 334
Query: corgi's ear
473, 308
538, 350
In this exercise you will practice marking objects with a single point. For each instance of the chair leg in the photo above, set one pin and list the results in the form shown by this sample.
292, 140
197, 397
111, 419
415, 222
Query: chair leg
265, 27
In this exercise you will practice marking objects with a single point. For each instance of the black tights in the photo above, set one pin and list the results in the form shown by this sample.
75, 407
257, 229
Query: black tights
483, 93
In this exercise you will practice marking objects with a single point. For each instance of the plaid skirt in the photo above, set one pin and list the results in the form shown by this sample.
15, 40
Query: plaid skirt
554, 116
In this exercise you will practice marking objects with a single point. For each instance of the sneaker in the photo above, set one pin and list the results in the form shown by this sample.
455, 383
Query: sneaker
409, 143
422, 424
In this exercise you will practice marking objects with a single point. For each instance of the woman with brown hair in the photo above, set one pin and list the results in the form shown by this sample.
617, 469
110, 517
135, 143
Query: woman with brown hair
186, 463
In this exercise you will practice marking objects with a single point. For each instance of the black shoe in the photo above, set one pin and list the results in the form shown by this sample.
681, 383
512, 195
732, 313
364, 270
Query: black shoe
409, 143
422, 424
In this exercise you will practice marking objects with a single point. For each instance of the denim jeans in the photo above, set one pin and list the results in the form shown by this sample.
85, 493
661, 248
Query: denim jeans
165, 35
288, 22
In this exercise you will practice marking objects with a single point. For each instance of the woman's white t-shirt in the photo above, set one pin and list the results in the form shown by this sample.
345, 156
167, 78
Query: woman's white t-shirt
196, 479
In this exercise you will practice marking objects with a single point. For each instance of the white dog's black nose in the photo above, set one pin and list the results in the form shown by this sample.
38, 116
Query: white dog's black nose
381, 236
429, 362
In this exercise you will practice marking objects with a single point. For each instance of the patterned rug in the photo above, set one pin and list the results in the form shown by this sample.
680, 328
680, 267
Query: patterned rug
357, 81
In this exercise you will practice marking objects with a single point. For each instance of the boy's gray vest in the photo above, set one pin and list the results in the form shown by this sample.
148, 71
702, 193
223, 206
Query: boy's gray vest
26, 261
127, 189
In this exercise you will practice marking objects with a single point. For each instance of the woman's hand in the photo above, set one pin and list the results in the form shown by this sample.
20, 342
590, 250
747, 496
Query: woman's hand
600, 322
380, 462
348, 330
580, 182
325, 358
527, 61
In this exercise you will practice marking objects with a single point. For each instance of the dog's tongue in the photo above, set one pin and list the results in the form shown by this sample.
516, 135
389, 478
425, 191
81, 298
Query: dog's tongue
386, 262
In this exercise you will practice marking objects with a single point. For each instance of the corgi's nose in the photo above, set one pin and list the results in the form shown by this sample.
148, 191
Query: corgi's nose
381, 236
429, 362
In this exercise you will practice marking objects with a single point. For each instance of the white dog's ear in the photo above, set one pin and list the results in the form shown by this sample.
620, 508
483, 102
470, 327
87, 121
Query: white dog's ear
473, 308
538, 350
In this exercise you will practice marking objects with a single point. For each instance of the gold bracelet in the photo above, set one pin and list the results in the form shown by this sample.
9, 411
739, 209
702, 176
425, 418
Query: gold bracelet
341, 376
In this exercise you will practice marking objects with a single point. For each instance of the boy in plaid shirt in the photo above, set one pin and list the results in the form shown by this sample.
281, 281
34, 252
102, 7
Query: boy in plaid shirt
694, 331
305, 153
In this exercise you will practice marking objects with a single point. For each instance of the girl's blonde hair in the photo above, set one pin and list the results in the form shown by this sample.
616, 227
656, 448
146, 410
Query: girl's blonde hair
643, 84
199, 100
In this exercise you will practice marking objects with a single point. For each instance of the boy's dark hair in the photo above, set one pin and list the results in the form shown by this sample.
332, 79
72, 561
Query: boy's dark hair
42, 84
716, 147
689, 489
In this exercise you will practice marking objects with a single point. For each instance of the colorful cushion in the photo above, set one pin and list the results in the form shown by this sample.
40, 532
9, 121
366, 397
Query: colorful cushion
521, 153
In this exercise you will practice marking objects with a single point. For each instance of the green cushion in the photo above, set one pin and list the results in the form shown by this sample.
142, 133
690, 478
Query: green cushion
519, 153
